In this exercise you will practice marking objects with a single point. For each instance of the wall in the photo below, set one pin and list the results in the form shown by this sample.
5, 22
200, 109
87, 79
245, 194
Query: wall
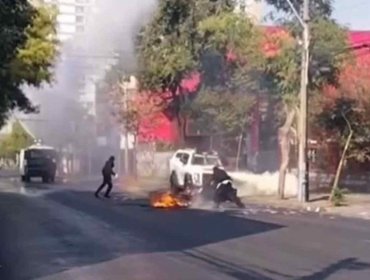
151, 163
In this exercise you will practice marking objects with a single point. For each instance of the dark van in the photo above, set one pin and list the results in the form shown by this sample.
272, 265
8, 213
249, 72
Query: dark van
38, 161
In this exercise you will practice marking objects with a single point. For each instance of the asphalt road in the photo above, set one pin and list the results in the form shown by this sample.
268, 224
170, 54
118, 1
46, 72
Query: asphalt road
64, 232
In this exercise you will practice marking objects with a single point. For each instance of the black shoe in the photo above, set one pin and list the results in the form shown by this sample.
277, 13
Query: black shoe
96, 195
107, 196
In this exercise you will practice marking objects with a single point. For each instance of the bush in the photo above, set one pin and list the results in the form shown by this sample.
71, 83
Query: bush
338, 197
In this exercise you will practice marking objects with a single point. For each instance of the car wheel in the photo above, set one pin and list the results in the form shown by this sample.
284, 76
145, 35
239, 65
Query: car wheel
26, 179
187, 181
45, 179
173, 180
174, 186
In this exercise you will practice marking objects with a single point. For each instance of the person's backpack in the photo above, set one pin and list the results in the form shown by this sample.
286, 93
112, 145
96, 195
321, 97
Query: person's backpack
107, 169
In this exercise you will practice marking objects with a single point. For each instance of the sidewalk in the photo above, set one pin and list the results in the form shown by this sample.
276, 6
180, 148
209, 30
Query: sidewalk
355, 205
8, 174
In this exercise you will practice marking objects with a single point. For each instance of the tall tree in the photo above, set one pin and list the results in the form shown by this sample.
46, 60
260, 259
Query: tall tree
223, 112
28, 37
135, 111
14, 142
282, 69
200, 35
170, 47
229, 64
344, 116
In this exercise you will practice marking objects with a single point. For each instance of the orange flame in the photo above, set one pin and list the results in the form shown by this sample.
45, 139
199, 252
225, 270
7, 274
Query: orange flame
167, 200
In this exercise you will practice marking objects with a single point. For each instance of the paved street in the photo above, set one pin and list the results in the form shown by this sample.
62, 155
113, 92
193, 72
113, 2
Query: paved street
64, 232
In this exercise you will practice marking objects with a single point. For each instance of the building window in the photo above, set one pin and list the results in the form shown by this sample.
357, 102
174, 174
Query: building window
79, 19
80, 9
80, 28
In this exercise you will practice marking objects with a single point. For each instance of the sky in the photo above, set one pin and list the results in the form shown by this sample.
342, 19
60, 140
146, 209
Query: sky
353, 13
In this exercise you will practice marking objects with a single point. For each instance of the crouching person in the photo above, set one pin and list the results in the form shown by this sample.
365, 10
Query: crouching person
223, 188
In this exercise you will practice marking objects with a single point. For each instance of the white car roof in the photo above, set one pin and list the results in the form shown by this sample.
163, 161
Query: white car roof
40, 147
185, 151
194, 151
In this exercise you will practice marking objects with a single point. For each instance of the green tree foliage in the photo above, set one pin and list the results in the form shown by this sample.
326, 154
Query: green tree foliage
129, 107
194, 35
29, 49
352, 97
230, 54
327, 56
14, 142
170, 49
232, 42
328, 44
222, 112
344, 117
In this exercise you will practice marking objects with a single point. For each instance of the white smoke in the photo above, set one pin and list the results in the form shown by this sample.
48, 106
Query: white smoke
112, 26
249, 184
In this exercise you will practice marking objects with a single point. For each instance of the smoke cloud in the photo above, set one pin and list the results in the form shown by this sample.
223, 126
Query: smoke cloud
111, 28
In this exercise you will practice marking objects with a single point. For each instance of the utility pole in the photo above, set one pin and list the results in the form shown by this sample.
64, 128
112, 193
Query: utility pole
303, 174
125, 108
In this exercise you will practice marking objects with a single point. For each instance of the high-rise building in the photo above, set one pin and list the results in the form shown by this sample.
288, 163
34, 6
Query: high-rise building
73, 16
253, 8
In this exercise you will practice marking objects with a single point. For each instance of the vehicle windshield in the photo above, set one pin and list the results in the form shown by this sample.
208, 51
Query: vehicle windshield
40, 153
205, 160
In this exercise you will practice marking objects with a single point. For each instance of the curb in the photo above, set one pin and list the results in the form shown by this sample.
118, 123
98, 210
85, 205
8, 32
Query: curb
304, 208
317, 209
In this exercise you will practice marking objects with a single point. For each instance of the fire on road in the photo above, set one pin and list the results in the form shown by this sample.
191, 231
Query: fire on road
165, 199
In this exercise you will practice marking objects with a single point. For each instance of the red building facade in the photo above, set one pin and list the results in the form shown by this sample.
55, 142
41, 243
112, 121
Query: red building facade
167, 131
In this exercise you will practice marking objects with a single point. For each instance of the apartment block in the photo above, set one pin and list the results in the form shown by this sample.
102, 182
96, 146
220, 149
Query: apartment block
73, 16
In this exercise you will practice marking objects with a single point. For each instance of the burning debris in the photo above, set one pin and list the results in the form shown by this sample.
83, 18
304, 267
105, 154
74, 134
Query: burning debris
168, 200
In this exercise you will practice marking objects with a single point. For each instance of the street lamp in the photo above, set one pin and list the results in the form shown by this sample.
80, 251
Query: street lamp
303, 175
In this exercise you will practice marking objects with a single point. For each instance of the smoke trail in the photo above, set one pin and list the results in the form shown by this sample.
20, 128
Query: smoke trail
111, 27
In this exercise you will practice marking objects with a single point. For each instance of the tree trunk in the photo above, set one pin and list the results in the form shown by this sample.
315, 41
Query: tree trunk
239, 151
179, 99
284, 145
181, 128
340, 165
134, 159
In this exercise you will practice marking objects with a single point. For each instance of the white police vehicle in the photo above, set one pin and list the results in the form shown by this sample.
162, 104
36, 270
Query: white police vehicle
188, 168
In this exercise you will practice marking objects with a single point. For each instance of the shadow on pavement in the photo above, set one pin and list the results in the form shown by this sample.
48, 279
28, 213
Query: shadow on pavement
190, 227
345, 264
37, 186
229, 268
44, 241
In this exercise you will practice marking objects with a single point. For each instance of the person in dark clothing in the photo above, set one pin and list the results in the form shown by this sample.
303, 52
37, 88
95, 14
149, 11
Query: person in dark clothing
223, 188
219, 175
107, 173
